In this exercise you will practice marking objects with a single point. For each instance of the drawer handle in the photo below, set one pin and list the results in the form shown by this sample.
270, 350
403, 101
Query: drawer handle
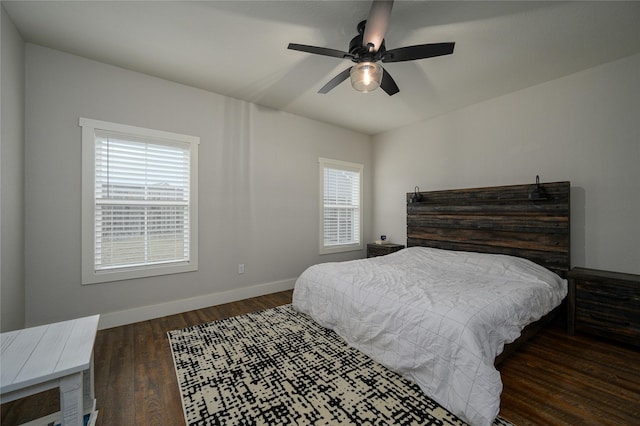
610, 320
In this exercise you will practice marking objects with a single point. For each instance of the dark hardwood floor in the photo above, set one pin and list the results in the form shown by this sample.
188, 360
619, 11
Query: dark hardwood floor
555, 379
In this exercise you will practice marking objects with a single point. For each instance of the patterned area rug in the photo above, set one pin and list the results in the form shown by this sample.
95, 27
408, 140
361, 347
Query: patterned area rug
279, 367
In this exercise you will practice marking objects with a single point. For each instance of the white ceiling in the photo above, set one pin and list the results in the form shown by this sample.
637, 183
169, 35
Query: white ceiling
238, 48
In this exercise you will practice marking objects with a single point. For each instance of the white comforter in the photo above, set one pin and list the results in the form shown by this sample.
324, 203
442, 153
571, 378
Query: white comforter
437, 317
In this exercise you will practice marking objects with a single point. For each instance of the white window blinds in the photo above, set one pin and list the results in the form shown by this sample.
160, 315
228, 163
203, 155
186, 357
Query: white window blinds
341, 205
139, 202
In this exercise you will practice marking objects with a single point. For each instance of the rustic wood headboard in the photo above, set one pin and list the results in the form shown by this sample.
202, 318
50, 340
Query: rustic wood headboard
501, 219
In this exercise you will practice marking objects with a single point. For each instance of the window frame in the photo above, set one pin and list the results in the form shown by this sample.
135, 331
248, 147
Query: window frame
325, 163
89, 273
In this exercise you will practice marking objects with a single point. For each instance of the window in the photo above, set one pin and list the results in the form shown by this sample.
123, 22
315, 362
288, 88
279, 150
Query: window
139, 202
340, 206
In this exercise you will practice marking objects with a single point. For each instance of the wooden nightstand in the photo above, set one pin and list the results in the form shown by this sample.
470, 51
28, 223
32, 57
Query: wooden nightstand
604, 303
374, 250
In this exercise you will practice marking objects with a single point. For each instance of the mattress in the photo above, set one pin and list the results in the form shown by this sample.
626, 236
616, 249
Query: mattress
437, 317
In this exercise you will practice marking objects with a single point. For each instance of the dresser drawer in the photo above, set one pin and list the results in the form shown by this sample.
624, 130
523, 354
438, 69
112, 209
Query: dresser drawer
617, 293
374, 250
622, 325
606, 304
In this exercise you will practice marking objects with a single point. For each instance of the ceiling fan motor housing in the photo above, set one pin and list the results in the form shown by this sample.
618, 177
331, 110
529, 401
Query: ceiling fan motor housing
359, 51
355, 46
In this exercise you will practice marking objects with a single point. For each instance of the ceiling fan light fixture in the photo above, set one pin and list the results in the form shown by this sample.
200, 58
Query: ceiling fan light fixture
366, 76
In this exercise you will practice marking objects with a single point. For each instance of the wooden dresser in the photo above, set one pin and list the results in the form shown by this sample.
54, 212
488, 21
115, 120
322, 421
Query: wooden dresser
604, 303
374, 250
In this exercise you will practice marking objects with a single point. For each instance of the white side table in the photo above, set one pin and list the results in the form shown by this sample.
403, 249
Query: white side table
49, 356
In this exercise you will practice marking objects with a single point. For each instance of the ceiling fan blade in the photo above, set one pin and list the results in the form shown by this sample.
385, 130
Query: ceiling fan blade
320, 51
377, 23
388, 84
420, 51
335, 81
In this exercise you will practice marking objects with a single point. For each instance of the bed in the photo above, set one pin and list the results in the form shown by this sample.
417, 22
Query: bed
482, 266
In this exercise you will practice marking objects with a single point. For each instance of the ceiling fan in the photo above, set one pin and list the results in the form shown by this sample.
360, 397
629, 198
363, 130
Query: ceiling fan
367, 48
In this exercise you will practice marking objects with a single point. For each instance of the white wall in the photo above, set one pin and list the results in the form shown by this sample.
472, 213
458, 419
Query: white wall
258, 177
258, 184
12, 285
583, 128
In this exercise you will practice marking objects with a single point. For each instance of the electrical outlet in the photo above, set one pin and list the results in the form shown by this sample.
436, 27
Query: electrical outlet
241, 268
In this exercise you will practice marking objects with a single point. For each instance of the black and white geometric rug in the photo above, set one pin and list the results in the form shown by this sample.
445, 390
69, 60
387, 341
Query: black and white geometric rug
278, 367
